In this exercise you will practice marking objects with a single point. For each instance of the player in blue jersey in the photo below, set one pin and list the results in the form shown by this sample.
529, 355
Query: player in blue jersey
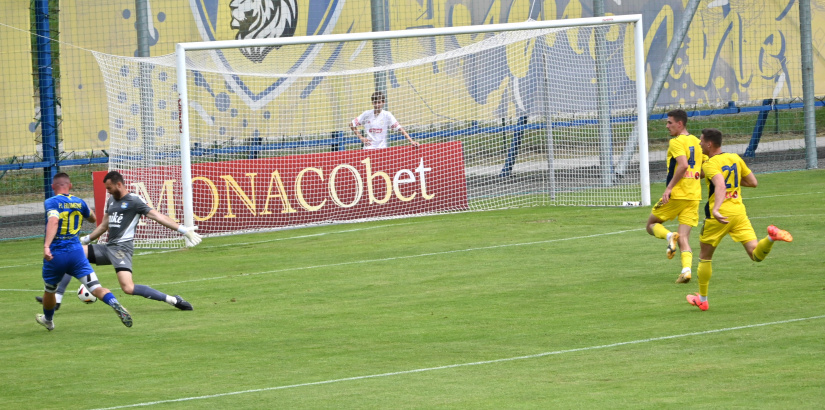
123, 212
63, 254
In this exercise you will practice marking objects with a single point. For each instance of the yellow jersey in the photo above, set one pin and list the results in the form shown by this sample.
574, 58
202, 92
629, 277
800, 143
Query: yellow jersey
690, 186
732, 168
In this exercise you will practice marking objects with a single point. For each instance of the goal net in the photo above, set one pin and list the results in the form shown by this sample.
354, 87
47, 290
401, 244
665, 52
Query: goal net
238, 136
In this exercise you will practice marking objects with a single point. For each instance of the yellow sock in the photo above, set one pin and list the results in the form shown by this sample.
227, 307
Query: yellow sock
763, 248
687, 259
705, 272
660, 231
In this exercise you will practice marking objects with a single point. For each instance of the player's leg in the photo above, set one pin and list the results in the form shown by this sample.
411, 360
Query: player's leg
688, 218
654, 227
686, 255
52, 273
705, 271
128, 285
760, 250
47, 318
89, 279
709, 238
61, 290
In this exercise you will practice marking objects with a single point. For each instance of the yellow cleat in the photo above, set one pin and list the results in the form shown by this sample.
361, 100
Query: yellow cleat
672, 244
684, 277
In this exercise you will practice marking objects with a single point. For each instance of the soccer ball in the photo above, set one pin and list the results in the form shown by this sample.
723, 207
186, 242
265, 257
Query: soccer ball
85, 295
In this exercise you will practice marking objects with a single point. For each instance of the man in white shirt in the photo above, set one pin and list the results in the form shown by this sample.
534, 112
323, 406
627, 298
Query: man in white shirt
377, 124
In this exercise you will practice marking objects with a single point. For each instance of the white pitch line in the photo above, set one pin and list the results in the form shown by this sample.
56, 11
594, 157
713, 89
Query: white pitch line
783, 195
452, 366
243, 243
420, 255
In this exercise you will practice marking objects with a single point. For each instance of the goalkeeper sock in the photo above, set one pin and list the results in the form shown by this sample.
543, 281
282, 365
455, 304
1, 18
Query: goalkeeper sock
661, 232
763, 248
171, 300
149, 293
705, 272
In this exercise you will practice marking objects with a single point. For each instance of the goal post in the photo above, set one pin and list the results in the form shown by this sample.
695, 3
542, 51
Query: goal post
507, 115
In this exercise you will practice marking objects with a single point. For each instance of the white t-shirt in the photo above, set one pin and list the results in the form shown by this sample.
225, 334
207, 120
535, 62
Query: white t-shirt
376, 127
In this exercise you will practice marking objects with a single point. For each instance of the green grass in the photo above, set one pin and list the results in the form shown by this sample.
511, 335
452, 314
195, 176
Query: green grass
579, 306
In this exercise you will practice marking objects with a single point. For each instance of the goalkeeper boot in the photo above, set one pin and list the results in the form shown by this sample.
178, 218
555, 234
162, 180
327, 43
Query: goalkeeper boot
695, 300
39, 300
48, 324
684, 277
672, 244
182, 304
777, 234
123, 314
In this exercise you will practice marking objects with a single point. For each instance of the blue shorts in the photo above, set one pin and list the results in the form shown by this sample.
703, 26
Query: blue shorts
72, 261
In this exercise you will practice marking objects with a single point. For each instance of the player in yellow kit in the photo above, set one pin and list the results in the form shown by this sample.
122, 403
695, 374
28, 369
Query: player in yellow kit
725, 213
682, 194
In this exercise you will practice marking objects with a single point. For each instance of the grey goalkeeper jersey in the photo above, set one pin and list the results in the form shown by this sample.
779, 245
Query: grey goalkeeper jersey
124, 215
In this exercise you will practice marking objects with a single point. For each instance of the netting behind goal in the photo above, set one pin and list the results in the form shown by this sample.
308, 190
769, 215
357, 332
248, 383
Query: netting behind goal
504, 119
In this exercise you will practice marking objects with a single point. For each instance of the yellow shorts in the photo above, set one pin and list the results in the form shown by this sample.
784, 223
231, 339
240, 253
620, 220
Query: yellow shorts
686, 210
739, 227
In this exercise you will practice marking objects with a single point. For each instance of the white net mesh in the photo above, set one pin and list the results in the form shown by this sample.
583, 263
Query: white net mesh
511, 119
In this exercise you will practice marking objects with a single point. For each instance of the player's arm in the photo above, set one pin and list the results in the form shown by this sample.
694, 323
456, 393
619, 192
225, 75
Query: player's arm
354, 127
719, 197
191, 237
103, 227
749, 180
51, 232
678, 173
407, 136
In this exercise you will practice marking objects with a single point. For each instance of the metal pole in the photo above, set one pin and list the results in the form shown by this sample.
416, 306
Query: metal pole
661, 76
603, 105
380, 48
147, 117
48, 108
185, 154
807, 82
548, 130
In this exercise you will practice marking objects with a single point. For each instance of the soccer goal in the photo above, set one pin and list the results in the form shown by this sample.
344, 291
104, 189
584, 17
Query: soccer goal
246, 135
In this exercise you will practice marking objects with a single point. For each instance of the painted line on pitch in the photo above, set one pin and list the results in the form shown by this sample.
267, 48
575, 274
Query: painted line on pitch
394, 258
479, 363
421, 255
783, 195
242, 243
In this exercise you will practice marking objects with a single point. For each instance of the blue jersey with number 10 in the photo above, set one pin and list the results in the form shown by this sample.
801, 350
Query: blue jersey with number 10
70, 210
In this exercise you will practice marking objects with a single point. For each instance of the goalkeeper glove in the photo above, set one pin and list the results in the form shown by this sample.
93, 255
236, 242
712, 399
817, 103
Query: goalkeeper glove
190, 237
85, 240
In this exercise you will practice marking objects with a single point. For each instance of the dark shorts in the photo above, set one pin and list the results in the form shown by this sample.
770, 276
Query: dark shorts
117, 255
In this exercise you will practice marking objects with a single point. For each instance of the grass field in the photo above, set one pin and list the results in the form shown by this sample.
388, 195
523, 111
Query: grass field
552, 307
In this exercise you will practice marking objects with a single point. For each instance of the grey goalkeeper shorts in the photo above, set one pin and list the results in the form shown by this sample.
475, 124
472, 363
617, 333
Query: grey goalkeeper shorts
119, 256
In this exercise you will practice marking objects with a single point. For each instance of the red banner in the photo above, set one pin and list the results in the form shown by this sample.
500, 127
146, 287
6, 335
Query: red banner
301, 189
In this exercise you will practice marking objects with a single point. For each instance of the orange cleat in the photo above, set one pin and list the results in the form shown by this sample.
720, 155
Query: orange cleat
696, 301
777, 234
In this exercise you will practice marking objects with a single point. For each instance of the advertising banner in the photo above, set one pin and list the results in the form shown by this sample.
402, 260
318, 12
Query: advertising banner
302, 189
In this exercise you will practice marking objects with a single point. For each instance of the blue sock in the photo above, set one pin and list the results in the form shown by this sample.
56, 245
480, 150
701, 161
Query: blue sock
110, 299
149, 293
49, 313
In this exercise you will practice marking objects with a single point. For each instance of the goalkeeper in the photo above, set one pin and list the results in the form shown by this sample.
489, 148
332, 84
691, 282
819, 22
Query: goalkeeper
123, 212
377, 123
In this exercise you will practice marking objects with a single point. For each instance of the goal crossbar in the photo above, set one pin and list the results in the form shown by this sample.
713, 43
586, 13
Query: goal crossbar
181, 72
